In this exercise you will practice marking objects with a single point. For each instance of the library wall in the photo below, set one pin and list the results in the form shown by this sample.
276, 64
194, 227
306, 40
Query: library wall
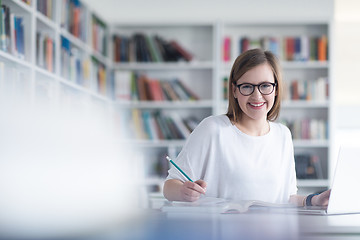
346, 63
203, 10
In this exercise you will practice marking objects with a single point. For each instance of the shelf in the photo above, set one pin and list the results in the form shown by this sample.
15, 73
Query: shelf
11, 58
164, 66
313, 183
311, 143
290, 65
165, 104
45, 20
83, 89
100, 57
23, 6
305, 104
46, 73
304, 64
76, 41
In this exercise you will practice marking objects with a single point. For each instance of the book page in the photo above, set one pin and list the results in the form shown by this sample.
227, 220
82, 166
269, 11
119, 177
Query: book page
244, 205
204, 201
203, 205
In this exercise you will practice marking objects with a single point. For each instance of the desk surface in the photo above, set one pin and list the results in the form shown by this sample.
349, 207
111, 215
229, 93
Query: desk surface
251, 225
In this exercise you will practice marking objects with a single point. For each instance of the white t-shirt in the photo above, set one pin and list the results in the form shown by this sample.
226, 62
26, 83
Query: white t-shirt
238, 166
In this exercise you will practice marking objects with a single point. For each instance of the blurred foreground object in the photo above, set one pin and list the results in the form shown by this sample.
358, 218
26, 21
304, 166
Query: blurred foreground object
62, 172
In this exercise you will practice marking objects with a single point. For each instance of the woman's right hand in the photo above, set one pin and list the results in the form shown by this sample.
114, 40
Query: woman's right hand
191, 191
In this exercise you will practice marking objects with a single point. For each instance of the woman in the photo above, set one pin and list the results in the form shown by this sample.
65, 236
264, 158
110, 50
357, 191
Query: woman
243, 155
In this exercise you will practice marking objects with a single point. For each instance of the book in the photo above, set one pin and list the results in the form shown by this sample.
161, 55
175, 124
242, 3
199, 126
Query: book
227, 49
191, 94
220, 205
308, 166
185, 54
122, 81
169, 91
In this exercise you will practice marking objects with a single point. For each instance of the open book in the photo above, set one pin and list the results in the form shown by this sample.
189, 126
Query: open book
218, 205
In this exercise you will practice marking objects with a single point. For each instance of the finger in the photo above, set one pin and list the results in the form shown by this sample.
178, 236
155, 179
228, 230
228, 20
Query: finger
202, 183
194, 186
189, 194
324, 198
192, 195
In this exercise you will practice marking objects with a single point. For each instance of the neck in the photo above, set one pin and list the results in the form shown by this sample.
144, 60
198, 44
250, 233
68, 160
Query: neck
253, 127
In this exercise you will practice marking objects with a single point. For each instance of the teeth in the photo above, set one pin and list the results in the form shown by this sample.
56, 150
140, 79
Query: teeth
257, 105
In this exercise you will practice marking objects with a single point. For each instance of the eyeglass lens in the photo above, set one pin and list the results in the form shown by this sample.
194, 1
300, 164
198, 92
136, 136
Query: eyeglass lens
248, 89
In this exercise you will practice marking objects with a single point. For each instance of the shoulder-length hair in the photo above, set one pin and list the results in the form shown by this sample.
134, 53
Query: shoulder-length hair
245, 62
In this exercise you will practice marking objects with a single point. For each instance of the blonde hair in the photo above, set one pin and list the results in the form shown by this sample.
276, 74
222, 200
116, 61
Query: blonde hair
245, 62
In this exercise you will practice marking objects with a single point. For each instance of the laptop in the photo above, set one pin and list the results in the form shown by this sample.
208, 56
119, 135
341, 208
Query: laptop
345, 193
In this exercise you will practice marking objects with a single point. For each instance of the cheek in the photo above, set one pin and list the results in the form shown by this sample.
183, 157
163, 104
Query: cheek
241, 100
271, 99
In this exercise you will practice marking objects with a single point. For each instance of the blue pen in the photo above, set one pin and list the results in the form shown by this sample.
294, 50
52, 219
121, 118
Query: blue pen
172, 162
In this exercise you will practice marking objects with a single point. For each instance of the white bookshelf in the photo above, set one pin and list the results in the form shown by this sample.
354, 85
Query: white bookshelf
198, 74
204, 73
35, 21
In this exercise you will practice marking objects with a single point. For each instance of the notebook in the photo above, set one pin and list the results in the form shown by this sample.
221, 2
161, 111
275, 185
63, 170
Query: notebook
218, 205
345, 193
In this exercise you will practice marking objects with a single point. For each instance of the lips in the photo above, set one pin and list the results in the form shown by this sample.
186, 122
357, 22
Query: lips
257, 104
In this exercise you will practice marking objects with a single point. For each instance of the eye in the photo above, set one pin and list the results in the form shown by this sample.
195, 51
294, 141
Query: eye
246, 86
266, 85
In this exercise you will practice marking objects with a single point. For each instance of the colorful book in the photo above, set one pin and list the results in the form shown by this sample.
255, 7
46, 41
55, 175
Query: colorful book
227, 49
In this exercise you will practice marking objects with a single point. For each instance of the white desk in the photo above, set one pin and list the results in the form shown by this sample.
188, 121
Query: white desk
247, 226
255, 225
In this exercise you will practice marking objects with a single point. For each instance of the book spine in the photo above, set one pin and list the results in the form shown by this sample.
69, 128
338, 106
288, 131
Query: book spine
138, 124
322, 48
122, 81
169, 91
147, 127
191, 94
49, 55
163, 126
179, 90
143, 48
2, 28
181, 50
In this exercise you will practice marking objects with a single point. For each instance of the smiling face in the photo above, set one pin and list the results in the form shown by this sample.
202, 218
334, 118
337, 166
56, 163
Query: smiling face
255, 106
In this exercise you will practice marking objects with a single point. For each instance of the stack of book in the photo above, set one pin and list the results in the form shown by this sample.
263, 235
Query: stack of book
143, 48
130, 86
308, 166
308, 90
74, 66
11, 32
74, 18
99, 41
45, 7
296, 48
45, 51
99, 82
309, 129
147, 125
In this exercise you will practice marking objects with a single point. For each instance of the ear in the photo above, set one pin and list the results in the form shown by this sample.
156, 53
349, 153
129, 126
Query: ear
234, 90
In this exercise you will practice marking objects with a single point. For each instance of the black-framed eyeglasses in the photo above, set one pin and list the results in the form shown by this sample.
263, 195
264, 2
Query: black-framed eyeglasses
264, 88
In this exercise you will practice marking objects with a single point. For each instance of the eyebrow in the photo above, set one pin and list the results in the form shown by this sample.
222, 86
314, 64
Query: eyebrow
253, 84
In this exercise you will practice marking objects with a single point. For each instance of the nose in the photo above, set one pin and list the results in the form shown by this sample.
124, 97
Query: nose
256, 92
